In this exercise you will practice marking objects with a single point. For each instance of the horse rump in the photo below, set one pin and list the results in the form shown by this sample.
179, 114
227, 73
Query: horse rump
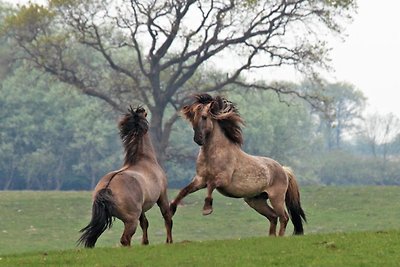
293, 205
102, 210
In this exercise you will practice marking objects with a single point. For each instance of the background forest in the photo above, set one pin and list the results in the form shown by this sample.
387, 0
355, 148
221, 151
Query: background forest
54, 137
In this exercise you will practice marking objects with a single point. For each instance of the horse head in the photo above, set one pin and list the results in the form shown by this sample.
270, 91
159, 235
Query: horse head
133, 123
133, 126
206, 110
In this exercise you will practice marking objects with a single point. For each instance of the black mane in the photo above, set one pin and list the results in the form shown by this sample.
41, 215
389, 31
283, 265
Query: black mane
132, 127
227, 115
203, 98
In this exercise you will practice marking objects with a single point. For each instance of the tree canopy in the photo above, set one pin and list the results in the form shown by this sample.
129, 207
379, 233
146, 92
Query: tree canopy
159, 52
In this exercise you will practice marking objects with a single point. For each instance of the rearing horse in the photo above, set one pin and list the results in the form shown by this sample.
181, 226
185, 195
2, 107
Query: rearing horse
223, 165
131, 191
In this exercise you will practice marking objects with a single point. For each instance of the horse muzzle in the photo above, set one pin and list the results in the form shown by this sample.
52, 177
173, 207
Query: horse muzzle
198, 138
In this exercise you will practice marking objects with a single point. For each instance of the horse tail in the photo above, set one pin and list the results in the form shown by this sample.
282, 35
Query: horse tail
102, 210
293, 205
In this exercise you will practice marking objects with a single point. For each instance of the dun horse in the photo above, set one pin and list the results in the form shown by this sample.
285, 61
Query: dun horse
131, 191
223, 165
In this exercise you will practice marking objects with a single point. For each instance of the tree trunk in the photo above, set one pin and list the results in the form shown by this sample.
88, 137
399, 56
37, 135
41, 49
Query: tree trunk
10, 176
157, 134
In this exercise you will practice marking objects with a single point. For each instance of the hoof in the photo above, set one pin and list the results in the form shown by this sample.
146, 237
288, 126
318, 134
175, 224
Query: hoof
207, 211
207, 208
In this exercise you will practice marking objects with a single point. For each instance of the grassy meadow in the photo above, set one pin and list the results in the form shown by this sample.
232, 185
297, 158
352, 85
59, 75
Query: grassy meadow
35, 226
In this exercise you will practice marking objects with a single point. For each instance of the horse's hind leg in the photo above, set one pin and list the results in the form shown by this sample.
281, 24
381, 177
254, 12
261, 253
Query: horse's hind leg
278, 204
144, 224
130, 229
259, 203
167, 215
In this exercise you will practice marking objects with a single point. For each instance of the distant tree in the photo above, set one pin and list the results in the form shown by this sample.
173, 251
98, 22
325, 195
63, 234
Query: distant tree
272, 127
342, 113
156, 52
6, 51
395, 145
379, 132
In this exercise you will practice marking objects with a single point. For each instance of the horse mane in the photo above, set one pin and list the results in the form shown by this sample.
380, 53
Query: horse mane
188, 111
223, 111
132, 127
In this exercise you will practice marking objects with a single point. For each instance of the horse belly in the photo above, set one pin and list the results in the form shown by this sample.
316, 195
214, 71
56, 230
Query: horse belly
229, 193
246, 184
244, 188
148, 205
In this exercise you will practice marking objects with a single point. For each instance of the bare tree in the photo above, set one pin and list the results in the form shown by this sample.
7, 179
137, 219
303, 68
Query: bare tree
379, 131
158, 52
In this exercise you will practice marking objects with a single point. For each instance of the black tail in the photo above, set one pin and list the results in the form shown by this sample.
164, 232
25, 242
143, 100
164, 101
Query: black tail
102, 210
293, 205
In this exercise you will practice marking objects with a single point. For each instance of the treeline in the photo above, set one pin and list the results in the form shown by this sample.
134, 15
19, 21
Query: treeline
55, 138
52, 137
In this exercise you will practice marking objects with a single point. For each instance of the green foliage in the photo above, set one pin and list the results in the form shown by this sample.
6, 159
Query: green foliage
51, 133
341, 3
61, 3
101, 47
274, 128
343, 108
6, 51
55, 138
343, 168
29, 21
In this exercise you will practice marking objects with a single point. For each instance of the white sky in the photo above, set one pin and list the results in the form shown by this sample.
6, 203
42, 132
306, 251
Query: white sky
369, 58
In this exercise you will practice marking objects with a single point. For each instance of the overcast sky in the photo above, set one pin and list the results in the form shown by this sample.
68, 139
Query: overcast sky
369, 58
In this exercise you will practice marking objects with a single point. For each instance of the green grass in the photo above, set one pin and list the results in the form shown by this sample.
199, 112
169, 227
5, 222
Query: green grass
46, 222
342, 249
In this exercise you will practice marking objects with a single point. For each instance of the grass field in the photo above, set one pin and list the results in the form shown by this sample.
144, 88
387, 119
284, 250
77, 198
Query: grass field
342, 249
43, 223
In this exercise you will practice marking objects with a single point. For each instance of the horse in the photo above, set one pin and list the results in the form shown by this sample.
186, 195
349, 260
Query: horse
129, 192
222, 165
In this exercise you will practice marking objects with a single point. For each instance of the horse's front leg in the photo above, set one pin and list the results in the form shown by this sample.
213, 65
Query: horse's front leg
220, 181
207, 208
196, 184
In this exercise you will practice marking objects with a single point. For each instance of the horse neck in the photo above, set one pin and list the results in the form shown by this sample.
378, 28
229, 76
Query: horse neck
145, 151
216, 140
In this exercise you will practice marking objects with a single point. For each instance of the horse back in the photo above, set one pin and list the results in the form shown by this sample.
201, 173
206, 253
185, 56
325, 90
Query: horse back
255, 174
277, 175
137, 187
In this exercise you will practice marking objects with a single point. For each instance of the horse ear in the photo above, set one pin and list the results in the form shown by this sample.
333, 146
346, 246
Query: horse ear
216, 105
187, 112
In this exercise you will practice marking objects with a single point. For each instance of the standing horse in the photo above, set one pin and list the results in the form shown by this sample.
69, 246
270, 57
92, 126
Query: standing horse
131, 191
223, 165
